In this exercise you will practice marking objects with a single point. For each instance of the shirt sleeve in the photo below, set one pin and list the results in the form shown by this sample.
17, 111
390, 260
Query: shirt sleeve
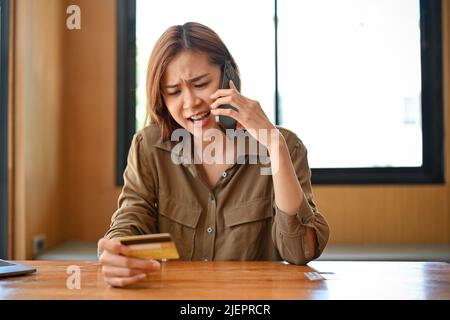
137, 211
289, 231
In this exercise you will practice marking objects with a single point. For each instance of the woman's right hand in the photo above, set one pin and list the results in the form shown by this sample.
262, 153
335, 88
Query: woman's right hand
118, 269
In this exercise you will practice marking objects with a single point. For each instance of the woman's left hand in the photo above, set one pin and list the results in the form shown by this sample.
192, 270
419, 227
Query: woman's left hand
250, 115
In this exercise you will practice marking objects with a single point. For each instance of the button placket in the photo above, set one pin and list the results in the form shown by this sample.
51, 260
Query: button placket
211, 235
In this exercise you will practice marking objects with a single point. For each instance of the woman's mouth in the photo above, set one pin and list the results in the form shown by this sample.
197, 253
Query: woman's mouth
200, 116
201, 120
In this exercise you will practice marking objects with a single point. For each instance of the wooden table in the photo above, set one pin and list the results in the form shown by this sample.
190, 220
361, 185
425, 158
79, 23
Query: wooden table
241, 280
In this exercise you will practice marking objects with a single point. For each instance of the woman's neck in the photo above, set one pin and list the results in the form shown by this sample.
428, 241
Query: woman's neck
216, 148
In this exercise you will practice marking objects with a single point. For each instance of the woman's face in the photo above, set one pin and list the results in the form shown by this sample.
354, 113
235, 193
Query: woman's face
188, 82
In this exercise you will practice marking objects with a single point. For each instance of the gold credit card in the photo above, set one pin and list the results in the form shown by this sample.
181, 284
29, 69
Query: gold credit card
156, 246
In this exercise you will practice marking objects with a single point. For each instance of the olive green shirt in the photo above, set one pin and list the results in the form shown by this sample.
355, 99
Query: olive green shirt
235, 220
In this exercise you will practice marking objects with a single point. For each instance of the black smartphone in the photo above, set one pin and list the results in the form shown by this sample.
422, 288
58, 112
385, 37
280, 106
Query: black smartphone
228, 73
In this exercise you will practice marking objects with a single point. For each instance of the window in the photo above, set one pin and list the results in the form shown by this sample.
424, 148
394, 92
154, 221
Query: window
4, 10
359, 81
356, 67
151, 23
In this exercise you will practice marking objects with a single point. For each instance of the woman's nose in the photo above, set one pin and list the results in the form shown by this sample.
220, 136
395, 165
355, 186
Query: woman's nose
191, 99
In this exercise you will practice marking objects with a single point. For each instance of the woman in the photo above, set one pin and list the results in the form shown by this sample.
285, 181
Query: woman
218, 210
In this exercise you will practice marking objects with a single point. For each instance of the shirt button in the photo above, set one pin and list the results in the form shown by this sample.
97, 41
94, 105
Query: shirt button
209, 230
224, 174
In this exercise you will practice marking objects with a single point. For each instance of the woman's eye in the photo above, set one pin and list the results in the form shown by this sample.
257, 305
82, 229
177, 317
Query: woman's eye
201, 85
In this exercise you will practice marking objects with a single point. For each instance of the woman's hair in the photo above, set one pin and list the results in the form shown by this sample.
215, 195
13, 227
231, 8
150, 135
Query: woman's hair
189, 36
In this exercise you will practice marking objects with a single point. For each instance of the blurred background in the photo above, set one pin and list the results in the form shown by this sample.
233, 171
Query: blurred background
364, 83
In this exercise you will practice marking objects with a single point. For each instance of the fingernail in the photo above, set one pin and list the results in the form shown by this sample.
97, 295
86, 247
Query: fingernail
142, 276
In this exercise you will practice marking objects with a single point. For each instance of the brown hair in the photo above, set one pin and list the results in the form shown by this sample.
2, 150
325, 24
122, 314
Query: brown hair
189, 36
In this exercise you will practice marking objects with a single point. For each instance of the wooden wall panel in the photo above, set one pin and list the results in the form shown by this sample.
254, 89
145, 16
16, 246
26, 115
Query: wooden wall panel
385, 214
89, 116
37, 124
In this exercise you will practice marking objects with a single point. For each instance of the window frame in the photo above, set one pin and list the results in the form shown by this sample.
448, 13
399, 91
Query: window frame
126, 83
432, 169
4, 38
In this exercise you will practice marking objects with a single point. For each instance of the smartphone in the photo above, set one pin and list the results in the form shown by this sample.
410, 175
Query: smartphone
228, 73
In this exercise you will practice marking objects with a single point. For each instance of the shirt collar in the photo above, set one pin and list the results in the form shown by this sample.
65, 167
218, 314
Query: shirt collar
168, 145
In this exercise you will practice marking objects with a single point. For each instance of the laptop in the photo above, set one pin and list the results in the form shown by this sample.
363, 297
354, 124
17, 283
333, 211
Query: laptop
8, 269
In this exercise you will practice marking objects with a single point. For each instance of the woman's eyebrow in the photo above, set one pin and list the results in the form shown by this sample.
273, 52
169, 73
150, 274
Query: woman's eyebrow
189, 80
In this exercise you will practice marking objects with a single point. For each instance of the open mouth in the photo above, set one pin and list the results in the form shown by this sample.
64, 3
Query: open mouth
200, 116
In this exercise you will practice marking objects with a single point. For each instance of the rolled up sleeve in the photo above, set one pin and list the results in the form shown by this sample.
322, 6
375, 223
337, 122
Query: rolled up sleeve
289, 231
137, 210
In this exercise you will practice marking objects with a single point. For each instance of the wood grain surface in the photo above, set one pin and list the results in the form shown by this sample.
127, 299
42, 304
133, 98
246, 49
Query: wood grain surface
240, 280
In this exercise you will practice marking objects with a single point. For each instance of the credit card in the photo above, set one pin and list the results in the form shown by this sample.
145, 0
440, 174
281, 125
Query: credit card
156, 246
